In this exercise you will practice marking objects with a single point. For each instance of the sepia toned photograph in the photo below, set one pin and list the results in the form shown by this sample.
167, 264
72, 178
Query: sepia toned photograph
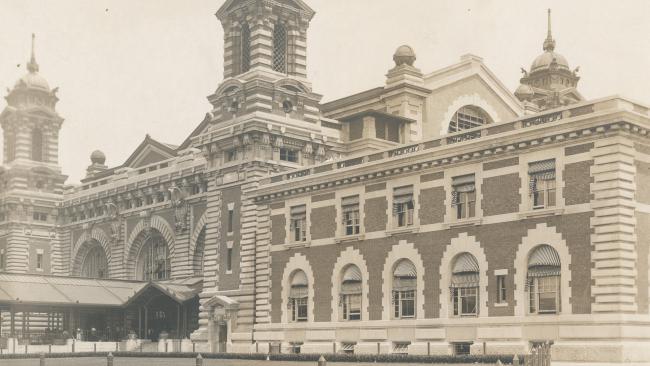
325, 182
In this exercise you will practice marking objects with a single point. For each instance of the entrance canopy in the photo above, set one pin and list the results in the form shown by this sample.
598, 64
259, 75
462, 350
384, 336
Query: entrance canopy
73, 291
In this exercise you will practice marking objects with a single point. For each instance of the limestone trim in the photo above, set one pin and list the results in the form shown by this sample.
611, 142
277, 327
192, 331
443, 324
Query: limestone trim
540, 235
200, 226
83, 244
349, 257
557, 153
136, 239
411, 180
402, 250
297, 262
463, 244
468, 100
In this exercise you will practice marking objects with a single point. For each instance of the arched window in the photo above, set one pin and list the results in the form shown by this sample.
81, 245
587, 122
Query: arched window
543, 281
404, 286
199, 254
95, 264
464, 286
468, 117
245, 47
298, 297
153, 260
37, 145
280, 48
351, 294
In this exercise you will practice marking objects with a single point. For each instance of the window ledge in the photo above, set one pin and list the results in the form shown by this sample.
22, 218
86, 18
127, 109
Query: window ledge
465, 222
500, 304
300, 244
541, 213
403, 230
345, 238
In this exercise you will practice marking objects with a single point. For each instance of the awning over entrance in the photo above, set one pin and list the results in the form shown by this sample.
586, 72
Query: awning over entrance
73, 291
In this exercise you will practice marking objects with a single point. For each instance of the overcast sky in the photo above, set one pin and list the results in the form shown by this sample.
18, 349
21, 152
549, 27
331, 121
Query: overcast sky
130, 67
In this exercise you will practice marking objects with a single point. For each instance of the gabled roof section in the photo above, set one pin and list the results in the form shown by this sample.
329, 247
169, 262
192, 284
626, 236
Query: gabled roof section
298, 5
197, 131
150, 151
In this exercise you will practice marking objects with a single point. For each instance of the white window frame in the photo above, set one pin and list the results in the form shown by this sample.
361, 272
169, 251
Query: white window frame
351, 220
295, 306
288, 152
403, 214
502, 289
534, 295
399, 297
40, 260
346, 313
548, 189
298, 225
458, 296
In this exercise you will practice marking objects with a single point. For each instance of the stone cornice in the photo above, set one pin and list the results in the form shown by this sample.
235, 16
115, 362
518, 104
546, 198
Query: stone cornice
584, 121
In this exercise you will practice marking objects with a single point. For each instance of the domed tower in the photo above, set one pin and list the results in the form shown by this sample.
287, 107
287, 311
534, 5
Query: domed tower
30, 177
550, 82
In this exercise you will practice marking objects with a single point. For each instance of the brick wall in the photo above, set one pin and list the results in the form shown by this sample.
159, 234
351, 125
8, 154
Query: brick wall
577, 182
323, 222
432, 205
278, 232
501, 194
374, 216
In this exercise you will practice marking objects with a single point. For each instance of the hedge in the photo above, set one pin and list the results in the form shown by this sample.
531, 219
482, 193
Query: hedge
338, 357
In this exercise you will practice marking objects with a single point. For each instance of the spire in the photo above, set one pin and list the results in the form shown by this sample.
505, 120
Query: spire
549, 42
32, 66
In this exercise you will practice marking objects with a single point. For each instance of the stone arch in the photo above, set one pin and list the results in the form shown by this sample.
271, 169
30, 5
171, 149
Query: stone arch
200, 225
138, 237
85, 242
403, 250
348, 257
542, 234
466, 100
463, 244
232, 86
297, 262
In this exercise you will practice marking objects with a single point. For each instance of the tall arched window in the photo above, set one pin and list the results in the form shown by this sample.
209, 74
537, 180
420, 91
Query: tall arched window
350, 297
153, 260
298, 297
95, 264
245, 47
404, 287
280, 48
543, 280
464, 287
37, 145
468, 117
199, 254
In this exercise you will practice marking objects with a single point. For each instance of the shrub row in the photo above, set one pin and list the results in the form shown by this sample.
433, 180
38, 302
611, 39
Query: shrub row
386, 358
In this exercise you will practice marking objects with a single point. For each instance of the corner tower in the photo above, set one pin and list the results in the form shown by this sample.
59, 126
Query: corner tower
550, 83
30, 178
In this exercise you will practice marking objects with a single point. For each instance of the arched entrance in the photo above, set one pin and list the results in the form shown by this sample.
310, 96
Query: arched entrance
95, 263
153, 262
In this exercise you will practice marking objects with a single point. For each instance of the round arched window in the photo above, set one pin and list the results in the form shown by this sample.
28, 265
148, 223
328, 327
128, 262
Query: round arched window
153, 260
468, 117
95, 264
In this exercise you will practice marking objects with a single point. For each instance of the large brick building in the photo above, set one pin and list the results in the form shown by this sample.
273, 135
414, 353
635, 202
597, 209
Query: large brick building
439, 213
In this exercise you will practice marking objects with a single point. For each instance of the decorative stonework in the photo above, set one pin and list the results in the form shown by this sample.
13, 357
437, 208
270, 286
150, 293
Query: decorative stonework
84, 243
403, 250
297, 262
350, 256
468, 100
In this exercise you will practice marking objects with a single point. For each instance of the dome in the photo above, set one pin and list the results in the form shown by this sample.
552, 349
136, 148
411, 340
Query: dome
98, 157
544, 61
404, 55
524, 92
34, 80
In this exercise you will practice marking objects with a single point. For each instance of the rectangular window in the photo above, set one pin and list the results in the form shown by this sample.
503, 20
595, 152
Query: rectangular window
231, 218
464, 196
39, 260
299, 223
229, 260
348, 347
541, 176
288, 155
351, 217
298, 309
404, 304
501, 289
462, 348
39, 216
465, 301
295, 347
401, 348
230, 155
403, 206
351, 304
544, 294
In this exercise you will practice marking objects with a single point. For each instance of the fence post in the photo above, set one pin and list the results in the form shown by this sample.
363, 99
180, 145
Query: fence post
193, 347
428, 348
41, 359
25, 348
73, 344
199, 360
515, 361
378, 352
49, 348
165, 346
94, 347
109, 359
117, 346
322, 361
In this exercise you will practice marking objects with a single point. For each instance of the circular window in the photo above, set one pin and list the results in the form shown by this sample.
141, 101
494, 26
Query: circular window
287, 106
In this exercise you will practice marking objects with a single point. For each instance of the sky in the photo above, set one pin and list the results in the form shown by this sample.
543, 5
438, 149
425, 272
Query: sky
126, 68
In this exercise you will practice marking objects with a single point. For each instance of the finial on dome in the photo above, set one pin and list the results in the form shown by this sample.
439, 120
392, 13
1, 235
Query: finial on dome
549, 42
32, 66
97, 157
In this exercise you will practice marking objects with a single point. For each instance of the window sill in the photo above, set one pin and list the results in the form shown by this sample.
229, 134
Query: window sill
500, 304
465, 222
354, 237
554, 211
300, 244
403, 230
228, 272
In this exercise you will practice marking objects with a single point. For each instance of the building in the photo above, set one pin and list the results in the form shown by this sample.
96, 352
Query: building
439, 213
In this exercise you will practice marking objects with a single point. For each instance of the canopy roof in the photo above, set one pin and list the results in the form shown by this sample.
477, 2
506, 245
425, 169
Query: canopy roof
75, 291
